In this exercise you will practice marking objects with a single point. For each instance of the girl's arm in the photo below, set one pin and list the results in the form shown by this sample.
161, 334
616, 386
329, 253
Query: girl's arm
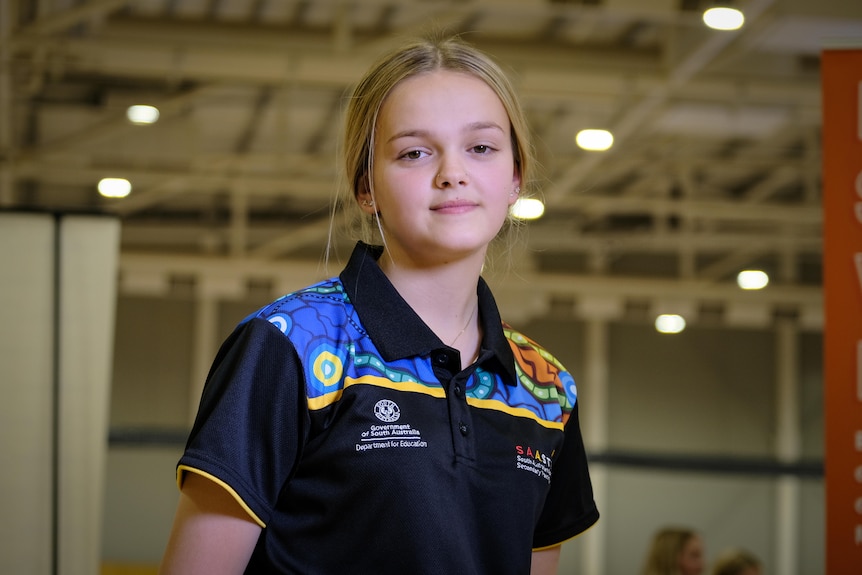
545, 561
211, 534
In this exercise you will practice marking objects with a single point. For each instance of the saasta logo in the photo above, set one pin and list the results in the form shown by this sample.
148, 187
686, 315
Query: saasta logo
533, 453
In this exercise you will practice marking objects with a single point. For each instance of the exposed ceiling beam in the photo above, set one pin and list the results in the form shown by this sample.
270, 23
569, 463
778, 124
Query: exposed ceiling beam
554, 240
695, 209
274, 240
730, 263
62, 20
79, 139
573, 285
295, 239
637, 114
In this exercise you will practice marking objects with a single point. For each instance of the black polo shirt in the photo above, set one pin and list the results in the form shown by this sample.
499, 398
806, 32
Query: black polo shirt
347, 429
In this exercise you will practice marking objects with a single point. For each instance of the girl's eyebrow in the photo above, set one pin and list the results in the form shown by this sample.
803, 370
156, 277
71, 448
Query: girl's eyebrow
471, 127
484, 126
408, 134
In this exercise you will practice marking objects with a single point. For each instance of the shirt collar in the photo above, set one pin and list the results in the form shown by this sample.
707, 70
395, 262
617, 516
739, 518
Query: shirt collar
394, 327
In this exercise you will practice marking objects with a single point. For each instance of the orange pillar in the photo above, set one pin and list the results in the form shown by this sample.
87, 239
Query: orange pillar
841, 76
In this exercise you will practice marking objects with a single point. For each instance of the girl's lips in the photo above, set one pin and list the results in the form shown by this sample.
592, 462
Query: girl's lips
453, 206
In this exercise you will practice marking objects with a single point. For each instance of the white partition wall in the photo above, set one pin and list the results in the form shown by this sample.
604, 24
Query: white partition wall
26, 389
57, 303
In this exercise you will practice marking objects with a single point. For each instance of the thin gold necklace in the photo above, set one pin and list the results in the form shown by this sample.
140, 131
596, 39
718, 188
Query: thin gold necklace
463, 329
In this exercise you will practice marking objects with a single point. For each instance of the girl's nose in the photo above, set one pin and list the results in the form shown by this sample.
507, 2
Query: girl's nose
450, 175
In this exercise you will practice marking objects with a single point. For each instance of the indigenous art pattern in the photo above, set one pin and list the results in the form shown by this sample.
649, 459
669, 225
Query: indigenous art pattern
336, 352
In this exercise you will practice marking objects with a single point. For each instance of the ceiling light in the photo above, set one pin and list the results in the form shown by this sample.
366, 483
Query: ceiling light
141, 114
669, 323
723, 18
528, 209
752, 279
114, 187
595, 140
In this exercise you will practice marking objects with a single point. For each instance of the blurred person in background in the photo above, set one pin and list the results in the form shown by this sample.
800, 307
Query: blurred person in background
737, 562
675, 551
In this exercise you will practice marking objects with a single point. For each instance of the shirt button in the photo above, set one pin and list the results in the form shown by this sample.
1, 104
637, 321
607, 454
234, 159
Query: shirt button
442, 359
463, 428
458, 390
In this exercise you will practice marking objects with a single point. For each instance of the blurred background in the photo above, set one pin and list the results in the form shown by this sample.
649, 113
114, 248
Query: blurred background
207, 131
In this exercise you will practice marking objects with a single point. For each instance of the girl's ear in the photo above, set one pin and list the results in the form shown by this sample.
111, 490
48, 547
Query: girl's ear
364, 197
516, 187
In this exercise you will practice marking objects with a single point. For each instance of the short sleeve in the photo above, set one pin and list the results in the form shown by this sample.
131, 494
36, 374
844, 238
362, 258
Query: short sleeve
569, 507
252, 418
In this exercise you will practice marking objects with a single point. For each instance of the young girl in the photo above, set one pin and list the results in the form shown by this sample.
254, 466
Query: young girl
386, 421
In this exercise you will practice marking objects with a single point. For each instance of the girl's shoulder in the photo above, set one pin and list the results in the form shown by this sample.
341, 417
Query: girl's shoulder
540, 370
319, 310
523, 345
329, 292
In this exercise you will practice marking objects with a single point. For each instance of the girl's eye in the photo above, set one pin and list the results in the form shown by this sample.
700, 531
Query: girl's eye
413, 154
481, 149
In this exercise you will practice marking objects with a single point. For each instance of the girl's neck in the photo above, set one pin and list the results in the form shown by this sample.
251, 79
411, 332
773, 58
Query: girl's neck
444, 296
443, 286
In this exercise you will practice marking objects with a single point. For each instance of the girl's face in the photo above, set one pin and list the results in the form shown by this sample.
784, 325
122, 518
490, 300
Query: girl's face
691, 557
444, 173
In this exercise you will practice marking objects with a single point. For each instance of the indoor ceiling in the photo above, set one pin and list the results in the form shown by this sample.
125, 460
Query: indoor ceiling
715, 165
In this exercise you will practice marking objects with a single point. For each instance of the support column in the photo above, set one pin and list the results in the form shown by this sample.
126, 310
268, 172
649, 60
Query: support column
788, 447
238, 220
597, 313
203, 344
595, 407
211, 289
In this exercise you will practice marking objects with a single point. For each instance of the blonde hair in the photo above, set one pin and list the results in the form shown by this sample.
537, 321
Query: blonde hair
412, 59
664, 552
734, 562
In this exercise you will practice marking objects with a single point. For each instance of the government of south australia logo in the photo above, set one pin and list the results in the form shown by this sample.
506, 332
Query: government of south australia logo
387, 410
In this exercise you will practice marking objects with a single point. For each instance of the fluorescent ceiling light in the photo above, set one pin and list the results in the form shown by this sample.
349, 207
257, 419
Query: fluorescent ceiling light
669, 323
752, 279
595, 140
141, 114
528, 209
114, 187
723, 18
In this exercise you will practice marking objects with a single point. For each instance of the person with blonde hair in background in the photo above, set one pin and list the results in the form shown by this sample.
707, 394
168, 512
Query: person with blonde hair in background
737, 562
675, 551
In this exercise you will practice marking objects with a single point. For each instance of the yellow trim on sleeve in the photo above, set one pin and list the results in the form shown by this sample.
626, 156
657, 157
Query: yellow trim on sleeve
535, 549
545, 548
183, 468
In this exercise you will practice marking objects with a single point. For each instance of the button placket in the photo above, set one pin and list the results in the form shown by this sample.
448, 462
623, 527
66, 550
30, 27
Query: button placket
446, 367
461, 417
